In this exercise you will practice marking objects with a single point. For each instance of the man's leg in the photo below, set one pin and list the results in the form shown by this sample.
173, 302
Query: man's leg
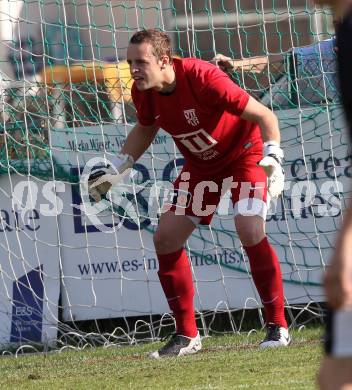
176, 280
335, 374
336, 369
174, 269
250, 209
267, 276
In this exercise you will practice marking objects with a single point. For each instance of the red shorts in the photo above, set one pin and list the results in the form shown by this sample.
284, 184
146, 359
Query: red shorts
197, 195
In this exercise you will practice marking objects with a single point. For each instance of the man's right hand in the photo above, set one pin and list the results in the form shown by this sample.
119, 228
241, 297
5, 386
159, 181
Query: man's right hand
226, 64
101, 179
98, 191
229, 65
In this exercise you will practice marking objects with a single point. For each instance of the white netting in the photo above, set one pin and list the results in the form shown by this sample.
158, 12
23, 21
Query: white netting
77, 276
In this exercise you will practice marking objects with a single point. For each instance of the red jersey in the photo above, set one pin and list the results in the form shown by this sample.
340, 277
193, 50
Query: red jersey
203, 116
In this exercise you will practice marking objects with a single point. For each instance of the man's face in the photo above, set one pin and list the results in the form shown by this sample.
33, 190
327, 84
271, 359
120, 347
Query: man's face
145, 68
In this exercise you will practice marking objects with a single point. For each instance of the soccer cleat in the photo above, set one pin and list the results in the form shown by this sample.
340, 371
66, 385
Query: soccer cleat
276, 336
178, 345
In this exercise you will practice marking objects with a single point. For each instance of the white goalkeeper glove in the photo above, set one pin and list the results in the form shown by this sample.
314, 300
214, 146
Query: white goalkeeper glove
272, 164
101, 179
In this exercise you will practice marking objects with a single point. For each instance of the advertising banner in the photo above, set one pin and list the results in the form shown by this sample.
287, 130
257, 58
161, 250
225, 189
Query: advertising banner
29, 262
109, 266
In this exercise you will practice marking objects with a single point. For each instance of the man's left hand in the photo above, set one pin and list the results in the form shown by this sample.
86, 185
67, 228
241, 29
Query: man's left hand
271, 162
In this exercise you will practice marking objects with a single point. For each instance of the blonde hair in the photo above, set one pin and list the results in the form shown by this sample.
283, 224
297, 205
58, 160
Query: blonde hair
160, 41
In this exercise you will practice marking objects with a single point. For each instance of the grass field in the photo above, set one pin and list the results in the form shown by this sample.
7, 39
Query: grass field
225, 362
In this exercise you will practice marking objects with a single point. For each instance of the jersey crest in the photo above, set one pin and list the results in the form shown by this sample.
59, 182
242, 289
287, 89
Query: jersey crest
191, 117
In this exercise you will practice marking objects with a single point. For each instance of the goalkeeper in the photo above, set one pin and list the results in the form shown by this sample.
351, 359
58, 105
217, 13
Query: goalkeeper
229, 141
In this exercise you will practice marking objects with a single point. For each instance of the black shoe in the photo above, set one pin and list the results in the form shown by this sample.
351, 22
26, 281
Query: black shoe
178, 345
276, 336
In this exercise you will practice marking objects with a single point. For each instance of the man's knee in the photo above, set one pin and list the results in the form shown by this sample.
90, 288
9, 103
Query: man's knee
172, 233
250, 229
163, 241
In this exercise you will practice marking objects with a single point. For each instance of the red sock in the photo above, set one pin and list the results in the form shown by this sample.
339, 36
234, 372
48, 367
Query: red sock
267, 278
176, 280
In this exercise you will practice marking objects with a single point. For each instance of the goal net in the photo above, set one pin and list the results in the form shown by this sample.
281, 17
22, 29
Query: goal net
74, 274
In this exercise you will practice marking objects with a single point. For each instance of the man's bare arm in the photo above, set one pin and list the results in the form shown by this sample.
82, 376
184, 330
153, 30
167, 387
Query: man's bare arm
102, 178
273, 154
339, 7
253, 64
256, 112
138, 140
